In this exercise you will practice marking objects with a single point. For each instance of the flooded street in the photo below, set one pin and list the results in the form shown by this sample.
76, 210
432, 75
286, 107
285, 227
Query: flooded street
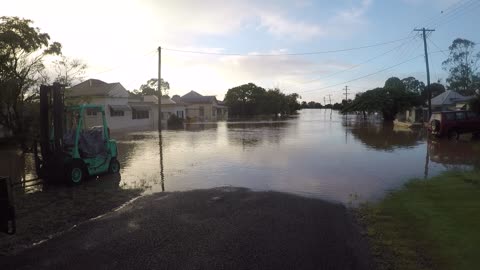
319, 154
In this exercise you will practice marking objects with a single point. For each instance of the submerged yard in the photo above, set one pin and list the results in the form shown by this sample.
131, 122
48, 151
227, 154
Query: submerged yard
428, 224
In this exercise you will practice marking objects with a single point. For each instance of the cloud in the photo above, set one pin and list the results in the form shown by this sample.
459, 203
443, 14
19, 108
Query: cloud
280, 26
117, 39
354, 14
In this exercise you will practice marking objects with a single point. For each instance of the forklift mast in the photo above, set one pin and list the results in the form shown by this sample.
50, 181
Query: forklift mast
51, 165
51, 119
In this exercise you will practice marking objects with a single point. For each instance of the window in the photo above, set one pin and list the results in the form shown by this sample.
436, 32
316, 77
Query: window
213, 112
139, 114
116, 113
180, 114
472, 115
91, 112
460, 115
450, 116
201, 111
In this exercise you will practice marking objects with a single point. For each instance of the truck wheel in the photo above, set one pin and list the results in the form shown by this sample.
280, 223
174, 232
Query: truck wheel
114, 166
453, 134
75, 173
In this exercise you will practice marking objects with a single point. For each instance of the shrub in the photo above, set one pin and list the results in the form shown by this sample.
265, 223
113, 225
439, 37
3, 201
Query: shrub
175, 121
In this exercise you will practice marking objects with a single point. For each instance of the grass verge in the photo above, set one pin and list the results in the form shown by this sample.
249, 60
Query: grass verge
428, 224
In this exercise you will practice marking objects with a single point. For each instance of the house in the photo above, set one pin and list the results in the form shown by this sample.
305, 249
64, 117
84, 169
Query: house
450, 101
416, 114
202, 108
446, 101
168, 106
122, 111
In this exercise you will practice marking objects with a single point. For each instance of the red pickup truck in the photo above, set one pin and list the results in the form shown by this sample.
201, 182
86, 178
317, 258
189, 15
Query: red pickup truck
454, 123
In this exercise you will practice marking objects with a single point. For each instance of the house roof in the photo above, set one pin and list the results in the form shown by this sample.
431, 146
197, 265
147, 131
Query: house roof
154, 99
193, 97
120, 107
94, 87
448, 97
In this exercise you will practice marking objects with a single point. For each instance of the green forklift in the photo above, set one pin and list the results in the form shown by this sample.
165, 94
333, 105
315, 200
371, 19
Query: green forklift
75, 140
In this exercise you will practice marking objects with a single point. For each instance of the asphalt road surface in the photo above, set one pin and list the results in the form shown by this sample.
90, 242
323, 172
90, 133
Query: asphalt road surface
223, 228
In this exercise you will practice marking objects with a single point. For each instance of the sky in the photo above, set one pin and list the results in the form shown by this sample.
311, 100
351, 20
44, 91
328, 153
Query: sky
118, 40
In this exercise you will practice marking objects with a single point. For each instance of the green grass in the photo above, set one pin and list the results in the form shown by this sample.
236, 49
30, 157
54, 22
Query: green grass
428, 224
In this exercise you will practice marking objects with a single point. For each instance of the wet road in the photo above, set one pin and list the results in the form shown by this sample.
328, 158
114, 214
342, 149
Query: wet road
209, 229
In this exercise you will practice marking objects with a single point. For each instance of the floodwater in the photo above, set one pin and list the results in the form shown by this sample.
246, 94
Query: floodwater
319, 153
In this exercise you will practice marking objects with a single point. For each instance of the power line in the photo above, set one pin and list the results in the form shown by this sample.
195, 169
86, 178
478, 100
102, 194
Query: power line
288, 54
359, 64
446, 12
367, 75
123, 64
434, 44
454, 13
364, 76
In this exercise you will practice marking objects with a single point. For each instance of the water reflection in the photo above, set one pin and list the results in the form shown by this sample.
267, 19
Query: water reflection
454, 153
253, 134
321, 154
385, 137
160, 148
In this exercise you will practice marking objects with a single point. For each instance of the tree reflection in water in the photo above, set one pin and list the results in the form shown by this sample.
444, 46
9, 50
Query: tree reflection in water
455, 153
384, 136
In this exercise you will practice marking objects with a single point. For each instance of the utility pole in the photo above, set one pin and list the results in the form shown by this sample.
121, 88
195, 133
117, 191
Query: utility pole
429, 92
346, 93
159, 88
330, 100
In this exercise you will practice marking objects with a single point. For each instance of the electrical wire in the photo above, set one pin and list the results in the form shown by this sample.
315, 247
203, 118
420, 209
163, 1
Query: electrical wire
359, 64
367, 75
362, 77
453, 14
288, 54
434, 44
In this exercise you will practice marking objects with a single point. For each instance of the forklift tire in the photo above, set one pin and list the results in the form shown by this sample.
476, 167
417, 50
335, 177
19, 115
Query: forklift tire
114, 166
75, 173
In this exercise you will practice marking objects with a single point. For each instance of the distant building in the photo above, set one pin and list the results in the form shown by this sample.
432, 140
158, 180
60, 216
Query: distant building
450, 101
202, 108
121, 110
446, 101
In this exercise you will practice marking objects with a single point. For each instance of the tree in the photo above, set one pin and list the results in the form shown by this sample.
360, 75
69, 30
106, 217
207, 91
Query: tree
151, 88
250, 100
462, 64
413, 85
389, 100
292, 103
69, 70
22, 52
435, 88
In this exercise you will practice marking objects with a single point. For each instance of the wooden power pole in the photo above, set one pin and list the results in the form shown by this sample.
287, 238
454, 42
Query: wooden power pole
429, 92
159, 88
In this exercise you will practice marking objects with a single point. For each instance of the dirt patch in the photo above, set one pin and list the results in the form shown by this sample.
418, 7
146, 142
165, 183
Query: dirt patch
53, 209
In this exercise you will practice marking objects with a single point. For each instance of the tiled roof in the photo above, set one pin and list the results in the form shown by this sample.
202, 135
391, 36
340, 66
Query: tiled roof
448, 97
193, 97
93, 87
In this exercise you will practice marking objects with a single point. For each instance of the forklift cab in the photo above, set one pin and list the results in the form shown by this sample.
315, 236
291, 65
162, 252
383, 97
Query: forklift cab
73, 138
87, 138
